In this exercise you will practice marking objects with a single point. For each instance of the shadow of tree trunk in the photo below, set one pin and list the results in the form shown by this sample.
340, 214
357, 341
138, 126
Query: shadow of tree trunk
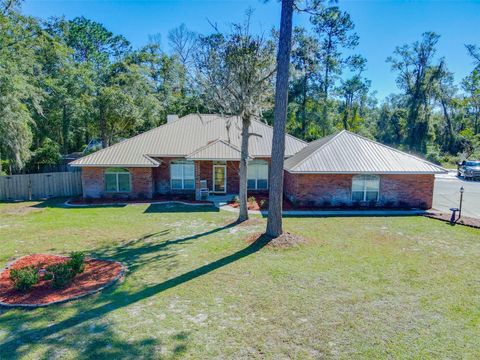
123, 299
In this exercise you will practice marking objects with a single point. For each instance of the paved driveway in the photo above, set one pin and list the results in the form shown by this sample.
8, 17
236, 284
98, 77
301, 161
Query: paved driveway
447, 195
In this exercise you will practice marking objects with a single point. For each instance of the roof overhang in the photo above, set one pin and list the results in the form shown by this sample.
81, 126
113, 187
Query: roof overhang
153, 163
115, 165
368, 172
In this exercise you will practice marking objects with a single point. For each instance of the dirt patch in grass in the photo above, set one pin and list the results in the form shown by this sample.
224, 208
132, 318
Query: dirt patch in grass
97, 274
20, 209
286, 240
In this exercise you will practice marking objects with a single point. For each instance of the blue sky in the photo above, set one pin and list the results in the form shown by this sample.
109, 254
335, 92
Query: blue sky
381, 24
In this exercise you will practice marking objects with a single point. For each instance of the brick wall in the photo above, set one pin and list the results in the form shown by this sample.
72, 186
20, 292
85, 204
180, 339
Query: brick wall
318, 189
335, 190
203, 171
410, 190
94, 185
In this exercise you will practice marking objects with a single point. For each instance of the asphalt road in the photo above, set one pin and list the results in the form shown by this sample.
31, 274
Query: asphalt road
447, 195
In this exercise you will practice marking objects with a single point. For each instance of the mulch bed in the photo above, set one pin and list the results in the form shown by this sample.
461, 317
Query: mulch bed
97, 275
464, 220
261, 203
157, 198
286, 240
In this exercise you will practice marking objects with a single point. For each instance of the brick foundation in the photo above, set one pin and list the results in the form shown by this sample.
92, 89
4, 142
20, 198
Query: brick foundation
412, 191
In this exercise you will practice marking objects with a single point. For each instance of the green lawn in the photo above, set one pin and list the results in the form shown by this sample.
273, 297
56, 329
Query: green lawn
405, 287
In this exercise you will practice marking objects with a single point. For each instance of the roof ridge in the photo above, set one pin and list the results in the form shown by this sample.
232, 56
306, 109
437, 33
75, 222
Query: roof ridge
394, 149
334, 136
286, 134
128, 140
212, 143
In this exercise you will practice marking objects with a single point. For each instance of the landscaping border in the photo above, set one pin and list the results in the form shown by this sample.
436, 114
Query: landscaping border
166, 202
463, 221
122, 272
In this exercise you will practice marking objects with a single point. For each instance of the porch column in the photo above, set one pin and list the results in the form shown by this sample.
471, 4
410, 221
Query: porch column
198, 195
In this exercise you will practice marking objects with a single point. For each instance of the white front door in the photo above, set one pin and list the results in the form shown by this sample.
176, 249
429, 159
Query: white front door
220, 178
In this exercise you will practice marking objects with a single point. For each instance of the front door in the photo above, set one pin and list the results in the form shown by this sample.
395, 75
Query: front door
219, 178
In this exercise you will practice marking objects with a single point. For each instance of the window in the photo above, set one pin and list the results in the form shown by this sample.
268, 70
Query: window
365, 188
117, 180
182, 175
257, 174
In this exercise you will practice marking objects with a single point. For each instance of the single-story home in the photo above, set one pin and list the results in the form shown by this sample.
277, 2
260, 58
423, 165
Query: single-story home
200, 153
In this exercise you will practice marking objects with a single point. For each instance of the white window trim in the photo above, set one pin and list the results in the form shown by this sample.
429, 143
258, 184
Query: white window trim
116, 181
265, 163
183, 175
364, 190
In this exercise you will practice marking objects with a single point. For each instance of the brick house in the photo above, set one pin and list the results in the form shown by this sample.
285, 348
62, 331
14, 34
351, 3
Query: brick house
199, 154
182, 156
346, 169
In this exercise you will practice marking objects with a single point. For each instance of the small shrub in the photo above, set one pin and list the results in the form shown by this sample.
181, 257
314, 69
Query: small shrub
48, 276
236, 200
251, 200
356, 204
63, 275
77, 262
263, 203
24, 278
423, 205
389, 204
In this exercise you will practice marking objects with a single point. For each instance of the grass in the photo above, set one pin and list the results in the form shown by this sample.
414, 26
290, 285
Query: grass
404, 287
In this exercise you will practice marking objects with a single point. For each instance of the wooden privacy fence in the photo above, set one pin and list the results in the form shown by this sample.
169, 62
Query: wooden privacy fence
40, 186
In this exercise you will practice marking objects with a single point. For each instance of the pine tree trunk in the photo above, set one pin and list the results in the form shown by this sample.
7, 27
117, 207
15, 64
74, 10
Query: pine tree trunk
242, 194
275, 199
304, 107
103, 128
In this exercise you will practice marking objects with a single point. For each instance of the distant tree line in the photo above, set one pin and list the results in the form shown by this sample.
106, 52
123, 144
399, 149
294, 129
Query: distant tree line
66, 82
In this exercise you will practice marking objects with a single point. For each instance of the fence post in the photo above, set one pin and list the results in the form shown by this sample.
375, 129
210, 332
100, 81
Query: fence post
29, 188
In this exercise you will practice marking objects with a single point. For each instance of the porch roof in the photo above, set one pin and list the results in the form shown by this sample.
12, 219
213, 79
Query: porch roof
216, 150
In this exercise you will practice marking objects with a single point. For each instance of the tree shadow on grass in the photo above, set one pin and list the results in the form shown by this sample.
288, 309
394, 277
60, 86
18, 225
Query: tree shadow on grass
99, 340
177, 207
59, 203
174, 207
120, 299
146, 250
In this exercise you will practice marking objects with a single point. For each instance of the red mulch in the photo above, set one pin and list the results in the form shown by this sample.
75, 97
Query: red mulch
182, 198
464, 220
97, 273
288, 205
255, 205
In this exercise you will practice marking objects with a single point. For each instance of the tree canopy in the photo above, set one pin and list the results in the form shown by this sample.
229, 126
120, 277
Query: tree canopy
64, 83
